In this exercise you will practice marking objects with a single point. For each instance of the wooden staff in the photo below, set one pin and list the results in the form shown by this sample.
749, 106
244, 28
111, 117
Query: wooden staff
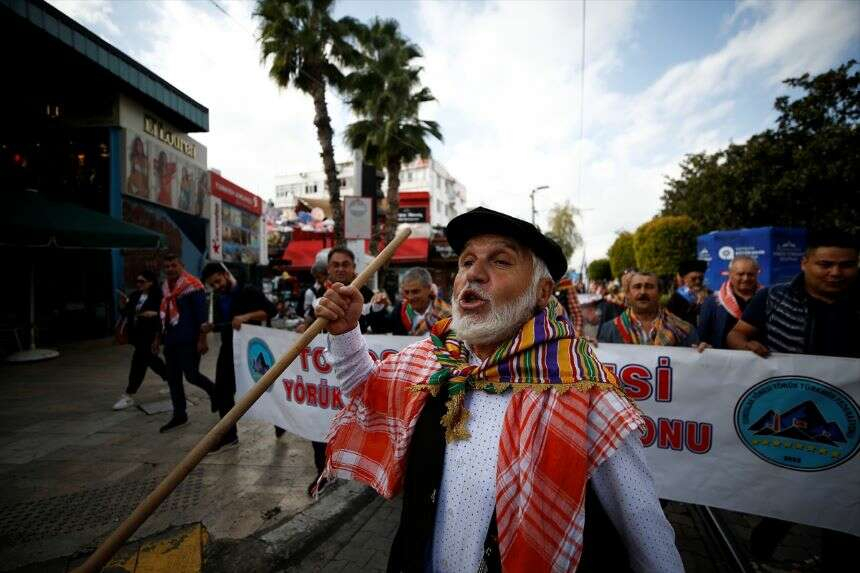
110, 545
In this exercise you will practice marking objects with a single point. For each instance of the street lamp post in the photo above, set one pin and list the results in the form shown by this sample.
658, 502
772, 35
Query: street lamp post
532, 195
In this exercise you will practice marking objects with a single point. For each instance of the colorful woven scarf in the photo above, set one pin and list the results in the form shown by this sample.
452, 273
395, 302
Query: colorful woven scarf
545, 352
407, 315
666, 330
437, 310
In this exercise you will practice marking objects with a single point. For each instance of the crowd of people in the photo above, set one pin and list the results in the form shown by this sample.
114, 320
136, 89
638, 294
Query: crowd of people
437, 420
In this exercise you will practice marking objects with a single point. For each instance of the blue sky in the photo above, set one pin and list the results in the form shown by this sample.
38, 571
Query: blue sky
662, 79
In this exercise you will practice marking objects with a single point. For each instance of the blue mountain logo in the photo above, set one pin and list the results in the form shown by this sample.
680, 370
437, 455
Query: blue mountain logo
259, 358
799, 423
803, 422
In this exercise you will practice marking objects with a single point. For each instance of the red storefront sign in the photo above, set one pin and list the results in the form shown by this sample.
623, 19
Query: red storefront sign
235, 195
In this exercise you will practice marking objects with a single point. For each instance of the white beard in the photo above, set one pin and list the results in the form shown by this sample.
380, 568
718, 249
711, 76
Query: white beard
501, 322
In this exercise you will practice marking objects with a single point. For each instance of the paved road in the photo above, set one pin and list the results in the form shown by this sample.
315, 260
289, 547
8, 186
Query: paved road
71, 468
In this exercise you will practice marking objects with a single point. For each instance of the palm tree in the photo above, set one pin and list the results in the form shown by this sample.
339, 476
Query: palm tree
386, 94
308, 49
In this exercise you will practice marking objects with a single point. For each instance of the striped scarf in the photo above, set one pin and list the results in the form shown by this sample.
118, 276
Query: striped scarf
551, 442
727, 299
437, 310
666, 330
546, 354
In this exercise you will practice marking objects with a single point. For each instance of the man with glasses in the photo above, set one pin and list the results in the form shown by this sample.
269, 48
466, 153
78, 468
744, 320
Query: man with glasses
341, 269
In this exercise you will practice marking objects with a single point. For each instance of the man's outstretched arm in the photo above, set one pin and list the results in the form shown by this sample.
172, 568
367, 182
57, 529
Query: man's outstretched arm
350, 359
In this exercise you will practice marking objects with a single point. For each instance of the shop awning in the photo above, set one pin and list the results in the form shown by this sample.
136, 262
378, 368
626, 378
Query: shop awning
412, 251
302, 254
30, 219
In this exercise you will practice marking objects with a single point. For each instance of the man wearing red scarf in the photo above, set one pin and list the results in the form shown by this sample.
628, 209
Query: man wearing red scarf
183, 312
511, 443
721, 311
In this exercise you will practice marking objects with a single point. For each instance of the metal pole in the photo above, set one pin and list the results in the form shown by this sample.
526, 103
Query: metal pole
106, 550
532, 195
33, 304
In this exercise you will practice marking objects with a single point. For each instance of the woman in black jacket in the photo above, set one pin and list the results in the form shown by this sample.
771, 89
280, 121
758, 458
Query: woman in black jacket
143, 323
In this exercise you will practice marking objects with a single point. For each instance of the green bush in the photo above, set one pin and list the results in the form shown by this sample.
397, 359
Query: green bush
599, 270
663, 242
621, 254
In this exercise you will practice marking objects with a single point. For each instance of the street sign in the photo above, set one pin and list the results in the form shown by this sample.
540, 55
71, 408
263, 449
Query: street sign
358, 217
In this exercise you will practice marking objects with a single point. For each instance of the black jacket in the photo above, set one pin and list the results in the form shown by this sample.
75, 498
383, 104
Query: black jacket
243, 299
142, 331
384, 322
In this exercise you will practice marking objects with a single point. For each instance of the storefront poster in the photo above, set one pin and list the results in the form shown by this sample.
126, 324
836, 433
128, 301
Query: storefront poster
159, 173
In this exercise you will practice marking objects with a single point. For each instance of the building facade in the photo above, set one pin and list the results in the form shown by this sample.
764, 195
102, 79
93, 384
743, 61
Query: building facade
428, 193
86, 124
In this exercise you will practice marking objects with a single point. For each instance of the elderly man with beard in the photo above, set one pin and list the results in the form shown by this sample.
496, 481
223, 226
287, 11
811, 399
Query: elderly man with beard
510, 441
722, 311
644, 322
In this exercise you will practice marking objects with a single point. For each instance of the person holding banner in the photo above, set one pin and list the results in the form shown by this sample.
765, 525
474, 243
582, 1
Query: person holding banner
721, 311
510, 441
341, 269
235, 304
818, 313
416, 314
644, 322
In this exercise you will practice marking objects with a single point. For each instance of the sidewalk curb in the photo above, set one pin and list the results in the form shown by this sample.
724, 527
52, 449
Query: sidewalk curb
273, 548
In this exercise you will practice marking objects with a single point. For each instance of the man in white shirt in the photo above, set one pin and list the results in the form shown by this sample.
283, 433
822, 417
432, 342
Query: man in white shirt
547, 477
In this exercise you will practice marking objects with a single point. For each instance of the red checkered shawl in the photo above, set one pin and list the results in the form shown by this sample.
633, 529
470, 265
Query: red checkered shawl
551, 443
185, 284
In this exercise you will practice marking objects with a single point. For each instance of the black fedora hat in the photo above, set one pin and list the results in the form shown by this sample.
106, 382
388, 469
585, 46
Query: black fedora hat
483, 221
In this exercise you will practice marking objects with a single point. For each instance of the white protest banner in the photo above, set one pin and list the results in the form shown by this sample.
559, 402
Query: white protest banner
776, 436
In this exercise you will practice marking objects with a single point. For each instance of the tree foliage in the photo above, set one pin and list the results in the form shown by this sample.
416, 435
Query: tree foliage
621, 254
308, 49
386, 94
562, 228
663, 243
599, 270
804, 172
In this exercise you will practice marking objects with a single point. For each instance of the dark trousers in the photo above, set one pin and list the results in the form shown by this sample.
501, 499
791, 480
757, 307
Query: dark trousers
184, 359
142, 359
319, 455
225, 387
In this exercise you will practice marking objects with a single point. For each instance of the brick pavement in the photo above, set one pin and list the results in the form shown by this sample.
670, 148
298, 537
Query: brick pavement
363, 541
71, 468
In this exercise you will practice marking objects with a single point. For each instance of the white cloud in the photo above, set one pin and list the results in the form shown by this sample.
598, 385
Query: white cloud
92, 13
507, 77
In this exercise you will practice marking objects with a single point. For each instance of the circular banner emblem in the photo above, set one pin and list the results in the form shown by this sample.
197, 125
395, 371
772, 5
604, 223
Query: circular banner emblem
726, 253
260, 358
798, 423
